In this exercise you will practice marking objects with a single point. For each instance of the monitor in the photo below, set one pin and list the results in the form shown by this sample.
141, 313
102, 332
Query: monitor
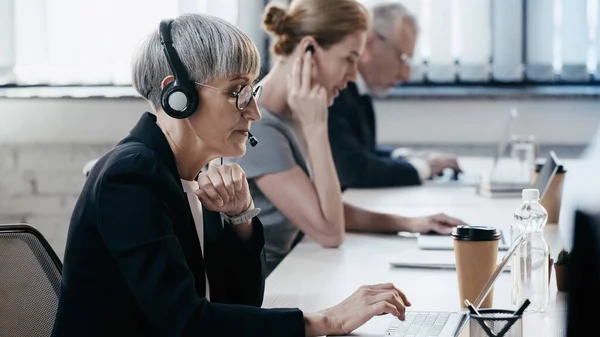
584, 275
546, 174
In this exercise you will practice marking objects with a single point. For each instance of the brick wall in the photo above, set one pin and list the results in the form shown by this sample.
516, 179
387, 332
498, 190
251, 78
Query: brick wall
40, 183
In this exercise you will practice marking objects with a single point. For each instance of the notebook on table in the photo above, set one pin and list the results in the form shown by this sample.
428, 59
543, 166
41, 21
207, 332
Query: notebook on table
429, 259
445, 242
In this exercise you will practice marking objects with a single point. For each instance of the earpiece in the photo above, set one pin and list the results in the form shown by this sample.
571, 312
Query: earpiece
179, 99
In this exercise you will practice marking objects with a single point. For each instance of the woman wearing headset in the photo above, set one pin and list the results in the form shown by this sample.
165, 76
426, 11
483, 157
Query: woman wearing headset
148, 253
318, 43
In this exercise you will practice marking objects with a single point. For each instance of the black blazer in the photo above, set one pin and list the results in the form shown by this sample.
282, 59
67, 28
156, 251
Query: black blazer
359, 163
133, 265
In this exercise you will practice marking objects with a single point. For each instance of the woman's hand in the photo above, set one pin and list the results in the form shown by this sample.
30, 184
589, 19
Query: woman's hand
356, 310
307, 100
224, 189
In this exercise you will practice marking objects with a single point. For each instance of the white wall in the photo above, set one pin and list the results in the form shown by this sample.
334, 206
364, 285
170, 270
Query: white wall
552, 121
99, 120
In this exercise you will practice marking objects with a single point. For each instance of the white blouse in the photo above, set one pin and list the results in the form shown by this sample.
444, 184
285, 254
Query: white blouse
189, 187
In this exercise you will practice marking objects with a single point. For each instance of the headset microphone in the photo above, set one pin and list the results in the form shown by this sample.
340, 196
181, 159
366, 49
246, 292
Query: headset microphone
253, 141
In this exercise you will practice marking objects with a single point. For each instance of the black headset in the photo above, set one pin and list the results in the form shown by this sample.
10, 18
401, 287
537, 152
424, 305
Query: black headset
179, 98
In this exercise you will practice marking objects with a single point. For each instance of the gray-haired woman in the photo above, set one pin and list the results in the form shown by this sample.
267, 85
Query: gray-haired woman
148, 251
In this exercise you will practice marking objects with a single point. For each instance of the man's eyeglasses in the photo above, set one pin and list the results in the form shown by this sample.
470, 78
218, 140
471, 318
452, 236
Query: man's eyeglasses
242, 97
404, 59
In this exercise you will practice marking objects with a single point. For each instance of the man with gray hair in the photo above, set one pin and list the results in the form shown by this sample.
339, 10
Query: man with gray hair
384, 63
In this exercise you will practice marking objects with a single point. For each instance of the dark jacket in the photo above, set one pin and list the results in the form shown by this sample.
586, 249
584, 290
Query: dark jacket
359, 163
133, 265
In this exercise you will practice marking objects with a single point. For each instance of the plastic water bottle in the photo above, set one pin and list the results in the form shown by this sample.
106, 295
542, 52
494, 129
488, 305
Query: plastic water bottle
530, 263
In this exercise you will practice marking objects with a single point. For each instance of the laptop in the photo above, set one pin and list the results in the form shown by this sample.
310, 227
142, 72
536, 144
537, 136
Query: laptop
444, 242
470, 179
444, 323
497, 189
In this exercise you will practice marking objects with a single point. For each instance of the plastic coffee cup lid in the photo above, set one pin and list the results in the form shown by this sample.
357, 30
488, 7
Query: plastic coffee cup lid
476, 233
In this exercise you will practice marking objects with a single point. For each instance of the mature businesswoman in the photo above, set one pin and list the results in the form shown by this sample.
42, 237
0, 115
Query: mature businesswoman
148, 253
318, 43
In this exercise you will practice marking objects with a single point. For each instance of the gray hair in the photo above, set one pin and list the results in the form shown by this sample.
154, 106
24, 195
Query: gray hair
209, 47
387, 14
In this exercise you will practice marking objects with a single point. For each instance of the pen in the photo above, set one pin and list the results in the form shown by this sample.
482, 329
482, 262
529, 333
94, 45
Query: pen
474, 311
488, 286
522, 308
516, 316
471, 308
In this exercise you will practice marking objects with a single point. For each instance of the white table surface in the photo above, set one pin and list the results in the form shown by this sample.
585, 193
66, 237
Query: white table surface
313, 278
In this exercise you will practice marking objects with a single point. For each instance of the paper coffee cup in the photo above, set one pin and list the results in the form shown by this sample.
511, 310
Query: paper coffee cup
553, 197
476, 254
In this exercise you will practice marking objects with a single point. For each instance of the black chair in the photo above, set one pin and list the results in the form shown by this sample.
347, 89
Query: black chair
30, 280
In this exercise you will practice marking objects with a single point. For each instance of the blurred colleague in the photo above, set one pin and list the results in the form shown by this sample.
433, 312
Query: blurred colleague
384, 63
148, 253
292, 175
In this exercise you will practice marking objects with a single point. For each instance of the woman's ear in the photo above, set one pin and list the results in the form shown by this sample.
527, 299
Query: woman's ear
308, 43
166, 81
367, 53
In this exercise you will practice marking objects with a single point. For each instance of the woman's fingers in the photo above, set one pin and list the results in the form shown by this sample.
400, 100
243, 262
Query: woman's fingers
217, 181
391, 298
306, 72
226, 174
382, 308
205, 184
296, 78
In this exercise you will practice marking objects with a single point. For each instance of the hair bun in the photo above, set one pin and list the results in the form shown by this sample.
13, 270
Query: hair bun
274, 19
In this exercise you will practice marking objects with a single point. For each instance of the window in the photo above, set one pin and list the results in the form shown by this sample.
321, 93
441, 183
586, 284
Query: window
74, 42
514, 41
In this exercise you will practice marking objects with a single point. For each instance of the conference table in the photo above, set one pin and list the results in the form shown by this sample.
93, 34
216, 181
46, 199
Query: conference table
313, 278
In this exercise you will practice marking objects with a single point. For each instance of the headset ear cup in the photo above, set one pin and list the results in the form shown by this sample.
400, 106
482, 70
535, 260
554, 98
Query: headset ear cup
193, 100
179, 101
164, 100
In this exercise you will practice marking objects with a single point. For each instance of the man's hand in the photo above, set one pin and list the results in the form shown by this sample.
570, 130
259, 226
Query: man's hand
439, 161
439, 223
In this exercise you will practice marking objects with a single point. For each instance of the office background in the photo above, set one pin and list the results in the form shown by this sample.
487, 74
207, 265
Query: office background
65, 95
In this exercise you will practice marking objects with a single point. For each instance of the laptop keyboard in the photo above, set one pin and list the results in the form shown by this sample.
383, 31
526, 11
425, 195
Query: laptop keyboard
418, 324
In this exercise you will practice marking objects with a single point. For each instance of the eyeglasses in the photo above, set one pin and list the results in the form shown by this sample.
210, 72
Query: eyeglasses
242, 97
404, 59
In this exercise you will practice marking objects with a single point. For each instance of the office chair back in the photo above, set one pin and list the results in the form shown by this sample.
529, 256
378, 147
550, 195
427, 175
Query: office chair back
30, 279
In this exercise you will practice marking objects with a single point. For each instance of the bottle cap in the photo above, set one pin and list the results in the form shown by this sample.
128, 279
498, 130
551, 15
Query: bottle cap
531, 194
